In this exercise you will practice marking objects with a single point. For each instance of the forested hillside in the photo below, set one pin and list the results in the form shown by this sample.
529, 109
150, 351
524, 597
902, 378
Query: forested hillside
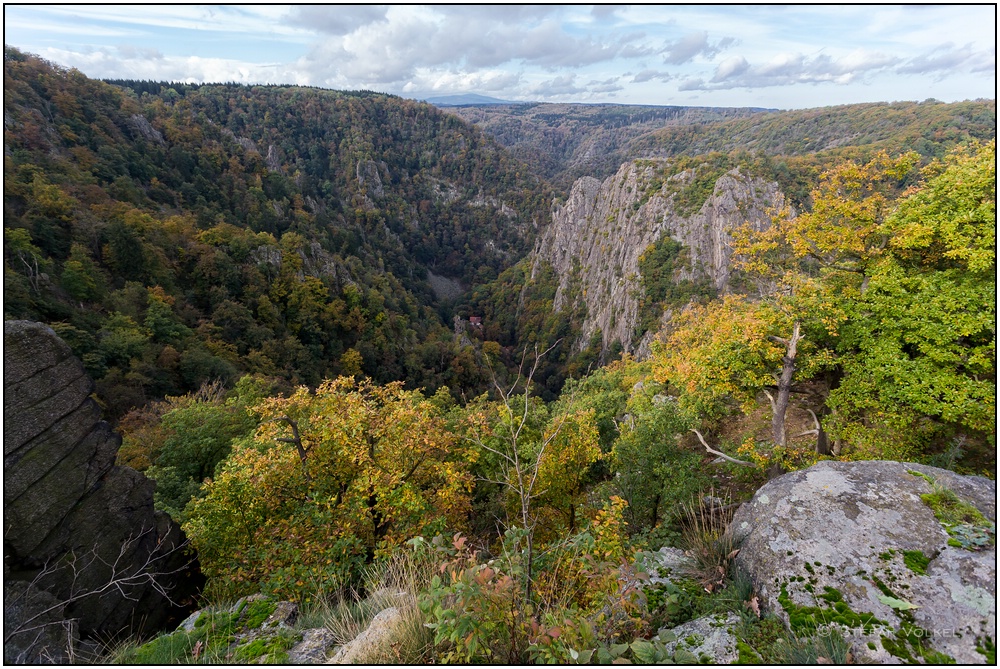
175, 235
361, 349
930, 128
566, 141
562, 142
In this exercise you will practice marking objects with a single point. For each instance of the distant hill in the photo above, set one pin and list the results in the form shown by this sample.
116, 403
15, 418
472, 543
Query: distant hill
931, 128
563, 141
466, 99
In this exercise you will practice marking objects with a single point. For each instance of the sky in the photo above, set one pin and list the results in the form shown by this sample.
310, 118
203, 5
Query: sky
777, 56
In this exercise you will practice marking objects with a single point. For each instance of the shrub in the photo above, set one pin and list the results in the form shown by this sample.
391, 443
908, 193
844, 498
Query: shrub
585, 593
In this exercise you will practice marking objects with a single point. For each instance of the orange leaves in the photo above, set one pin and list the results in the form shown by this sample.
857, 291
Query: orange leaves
458, 541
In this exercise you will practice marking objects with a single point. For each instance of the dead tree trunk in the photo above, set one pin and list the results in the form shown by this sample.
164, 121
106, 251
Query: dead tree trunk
779, 403
822, 441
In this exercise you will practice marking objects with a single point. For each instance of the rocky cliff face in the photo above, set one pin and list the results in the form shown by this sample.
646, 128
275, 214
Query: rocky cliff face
598, 235
81, 537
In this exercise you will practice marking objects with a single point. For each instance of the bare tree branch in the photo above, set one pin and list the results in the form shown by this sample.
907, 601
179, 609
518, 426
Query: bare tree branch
123, 578
519, 472
297, 440
720, 453
814, 431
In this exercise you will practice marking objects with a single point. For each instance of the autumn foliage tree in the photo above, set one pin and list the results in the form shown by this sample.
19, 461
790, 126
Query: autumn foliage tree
733, 351
888, 283
329, 481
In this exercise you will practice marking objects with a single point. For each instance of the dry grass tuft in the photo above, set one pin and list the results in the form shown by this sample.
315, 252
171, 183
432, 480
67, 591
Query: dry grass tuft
394, 582
707, 541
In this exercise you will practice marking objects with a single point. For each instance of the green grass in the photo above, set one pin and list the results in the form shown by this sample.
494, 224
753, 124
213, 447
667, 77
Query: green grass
709, 544
987, 648
267, 650
760, 640
211, 638
214, 631
830, 647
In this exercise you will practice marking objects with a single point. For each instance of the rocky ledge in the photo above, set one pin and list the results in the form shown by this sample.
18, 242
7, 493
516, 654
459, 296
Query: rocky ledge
85, 554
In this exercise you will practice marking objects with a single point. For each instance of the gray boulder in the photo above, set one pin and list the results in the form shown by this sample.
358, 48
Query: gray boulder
313, 647
708, 639
75, 525
284, 616
373, 642
662, 566
851, 546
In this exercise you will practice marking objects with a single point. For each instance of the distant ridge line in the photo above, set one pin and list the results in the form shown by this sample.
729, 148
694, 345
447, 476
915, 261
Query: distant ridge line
471, 99
476, 100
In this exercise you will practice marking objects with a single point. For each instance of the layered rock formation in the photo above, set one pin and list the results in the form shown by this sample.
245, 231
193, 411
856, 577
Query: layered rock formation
597, 236
81, 537
855, 547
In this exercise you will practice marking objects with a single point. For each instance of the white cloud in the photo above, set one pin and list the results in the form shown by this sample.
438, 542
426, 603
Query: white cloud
389, 51
650, 75
789, 69
129, 62
57, 28
947, 58
342, 20
607, 86
225, 18
731, 67
555, 52
427, 82
695, 44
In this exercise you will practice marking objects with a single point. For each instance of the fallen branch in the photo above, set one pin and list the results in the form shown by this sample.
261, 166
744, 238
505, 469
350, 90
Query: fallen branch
720, 453
813, 431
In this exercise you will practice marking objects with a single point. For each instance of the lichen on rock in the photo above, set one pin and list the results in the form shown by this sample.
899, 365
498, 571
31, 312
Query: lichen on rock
829, 548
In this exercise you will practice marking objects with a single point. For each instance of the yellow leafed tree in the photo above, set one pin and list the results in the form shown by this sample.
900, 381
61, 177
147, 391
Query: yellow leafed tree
330, 480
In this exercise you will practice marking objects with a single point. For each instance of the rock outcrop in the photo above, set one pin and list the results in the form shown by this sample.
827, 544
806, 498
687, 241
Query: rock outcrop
596, 238
705, 640
370, 644
313, 647
369, 179
143, 128
853, 546
76, 527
